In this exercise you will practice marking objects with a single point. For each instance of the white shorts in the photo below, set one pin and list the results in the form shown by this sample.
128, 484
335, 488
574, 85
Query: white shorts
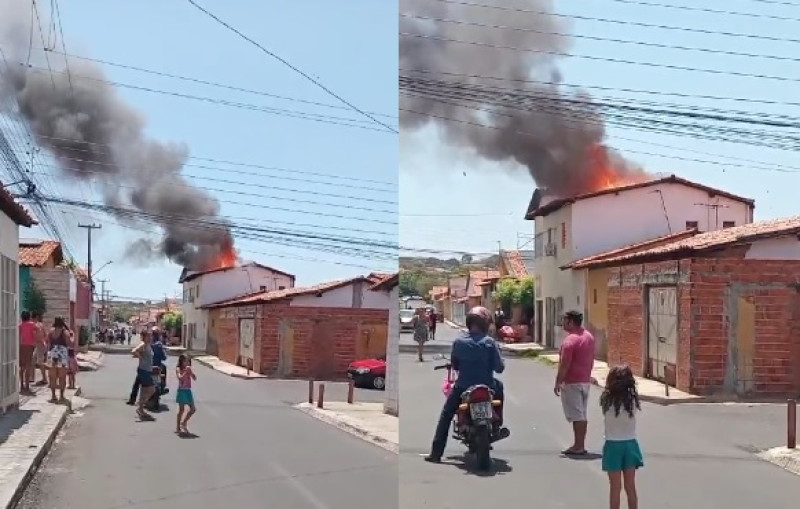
575, 401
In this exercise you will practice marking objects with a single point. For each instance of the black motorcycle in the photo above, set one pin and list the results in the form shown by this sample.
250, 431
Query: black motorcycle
160, 379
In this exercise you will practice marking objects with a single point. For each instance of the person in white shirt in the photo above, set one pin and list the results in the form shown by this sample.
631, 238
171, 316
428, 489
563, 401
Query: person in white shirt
621, 453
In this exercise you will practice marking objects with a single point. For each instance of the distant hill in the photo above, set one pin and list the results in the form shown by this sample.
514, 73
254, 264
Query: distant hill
419, 274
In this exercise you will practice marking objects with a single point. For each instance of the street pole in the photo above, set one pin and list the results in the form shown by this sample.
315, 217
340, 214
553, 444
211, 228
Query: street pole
103, 299
89, 228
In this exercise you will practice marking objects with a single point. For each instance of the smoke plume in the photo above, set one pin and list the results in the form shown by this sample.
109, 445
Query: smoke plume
94, 135
484, 98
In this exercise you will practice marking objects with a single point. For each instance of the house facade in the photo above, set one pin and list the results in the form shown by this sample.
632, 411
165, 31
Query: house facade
570, 229
456, 303
203, 288
711, 313
314, 331
41, 263
12, 216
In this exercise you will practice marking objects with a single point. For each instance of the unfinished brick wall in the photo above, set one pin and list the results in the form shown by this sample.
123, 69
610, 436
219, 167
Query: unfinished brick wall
54, 284
720, 350
627, 315
745, 324
284, 340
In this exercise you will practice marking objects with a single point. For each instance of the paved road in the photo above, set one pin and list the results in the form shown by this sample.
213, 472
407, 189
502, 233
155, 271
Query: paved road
696, 456
445, 335
253, 450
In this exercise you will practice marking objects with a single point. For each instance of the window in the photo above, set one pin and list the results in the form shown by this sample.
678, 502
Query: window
563, 235
728, 224
691, 224
538, 245
594, 296
281, 288
549, 235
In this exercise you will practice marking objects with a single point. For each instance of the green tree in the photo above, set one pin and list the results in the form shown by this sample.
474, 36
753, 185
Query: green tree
35, 301
172, 321
508, 292
526, 292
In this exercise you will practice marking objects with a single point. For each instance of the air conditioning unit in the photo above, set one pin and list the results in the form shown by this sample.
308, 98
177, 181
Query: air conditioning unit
550, 249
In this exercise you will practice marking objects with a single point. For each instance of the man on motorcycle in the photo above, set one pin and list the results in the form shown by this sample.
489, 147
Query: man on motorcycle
476, 357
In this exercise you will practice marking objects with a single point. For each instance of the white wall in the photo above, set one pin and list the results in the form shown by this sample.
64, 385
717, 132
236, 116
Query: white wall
614, 220
343, 298
392, 403
9, 247
784, 248
602, 223
223, 285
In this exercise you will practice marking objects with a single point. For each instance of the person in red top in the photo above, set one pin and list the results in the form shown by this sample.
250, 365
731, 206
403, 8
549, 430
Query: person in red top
576, 361
432, 319
27, 344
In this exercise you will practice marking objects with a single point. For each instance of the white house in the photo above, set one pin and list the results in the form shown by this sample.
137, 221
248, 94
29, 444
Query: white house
567, 229
392, 403
12, 216
204, 288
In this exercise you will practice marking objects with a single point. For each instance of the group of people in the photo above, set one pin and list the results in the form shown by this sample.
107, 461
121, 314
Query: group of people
53, 353
477, 358
150, 353
424, 323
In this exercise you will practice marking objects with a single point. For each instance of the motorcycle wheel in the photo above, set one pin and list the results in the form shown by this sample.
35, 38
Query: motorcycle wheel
482, 447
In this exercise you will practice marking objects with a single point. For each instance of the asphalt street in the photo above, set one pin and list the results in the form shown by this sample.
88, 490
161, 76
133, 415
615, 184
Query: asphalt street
695, 455
253, 450
445, 335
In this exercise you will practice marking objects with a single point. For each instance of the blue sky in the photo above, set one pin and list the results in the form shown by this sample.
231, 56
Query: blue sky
453, 201
300, 172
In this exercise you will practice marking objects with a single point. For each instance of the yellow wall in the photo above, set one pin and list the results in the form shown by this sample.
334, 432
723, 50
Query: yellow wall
597, 300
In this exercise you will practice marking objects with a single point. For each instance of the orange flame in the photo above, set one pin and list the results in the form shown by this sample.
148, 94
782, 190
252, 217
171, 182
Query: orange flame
227, 258
608, 175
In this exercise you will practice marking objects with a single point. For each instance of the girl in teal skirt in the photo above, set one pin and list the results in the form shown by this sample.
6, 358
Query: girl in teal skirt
184, 397
621, 453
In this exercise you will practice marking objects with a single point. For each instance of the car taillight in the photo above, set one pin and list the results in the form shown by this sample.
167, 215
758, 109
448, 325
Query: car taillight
479, 394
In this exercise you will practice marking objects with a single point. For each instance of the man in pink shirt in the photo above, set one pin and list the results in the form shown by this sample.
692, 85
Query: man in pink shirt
576, 360
27, 343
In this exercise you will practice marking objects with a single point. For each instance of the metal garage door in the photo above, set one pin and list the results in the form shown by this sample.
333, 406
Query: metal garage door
662, 330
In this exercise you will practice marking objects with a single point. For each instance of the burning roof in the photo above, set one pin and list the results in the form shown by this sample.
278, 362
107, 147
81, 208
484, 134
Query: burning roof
187, 275
540, 206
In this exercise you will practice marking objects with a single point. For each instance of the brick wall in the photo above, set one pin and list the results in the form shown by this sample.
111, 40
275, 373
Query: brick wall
714, 295
54, 283
284, 337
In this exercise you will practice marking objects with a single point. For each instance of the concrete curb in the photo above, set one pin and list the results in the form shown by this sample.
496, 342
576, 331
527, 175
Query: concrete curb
781, 457
19, 491
429, 348
254, 376
454, 325
361, 433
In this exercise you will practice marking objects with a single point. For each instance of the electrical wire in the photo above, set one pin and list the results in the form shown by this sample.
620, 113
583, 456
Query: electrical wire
293, 67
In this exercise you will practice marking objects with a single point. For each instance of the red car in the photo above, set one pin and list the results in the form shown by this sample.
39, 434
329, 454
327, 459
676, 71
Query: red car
369, 373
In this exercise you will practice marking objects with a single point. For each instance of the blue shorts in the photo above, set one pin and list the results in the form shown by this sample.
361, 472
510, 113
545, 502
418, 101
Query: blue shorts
184, 397
145, 377
621, 455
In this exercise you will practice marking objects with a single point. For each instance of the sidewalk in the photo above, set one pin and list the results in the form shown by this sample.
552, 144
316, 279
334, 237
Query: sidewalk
364, 420
26, 435
226, 368
649, 390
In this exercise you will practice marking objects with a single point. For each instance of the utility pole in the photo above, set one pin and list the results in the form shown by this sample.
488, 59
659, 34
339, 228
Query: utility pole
89, 228
103, 299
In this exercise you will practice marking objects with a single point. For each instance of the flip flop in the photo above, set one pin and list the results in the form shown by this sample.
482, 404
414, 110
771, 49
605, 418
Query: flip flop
570, 452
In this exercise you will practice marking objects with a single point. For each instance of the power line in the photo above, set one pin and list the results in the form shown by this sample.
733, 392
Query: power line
302, 115
706, 9
209, 83
292, 67
615, 60
602, 39
620, 22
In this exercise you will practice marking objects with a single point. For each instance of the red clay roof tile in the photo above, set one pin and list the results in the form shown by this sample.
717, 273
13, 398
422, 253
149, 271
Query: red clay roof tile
631, 248
288, 293
707, 241
36, 253
512, 260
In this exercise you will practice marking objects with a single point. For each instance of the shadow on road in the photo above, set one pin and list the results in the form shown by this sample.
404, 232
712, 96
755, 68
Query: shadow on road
466, 463
589, 456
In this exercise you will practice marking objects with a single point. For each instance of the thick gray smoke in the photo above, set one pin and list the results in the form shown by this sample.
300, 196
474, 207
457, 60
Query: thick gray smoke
94, 135
557, 135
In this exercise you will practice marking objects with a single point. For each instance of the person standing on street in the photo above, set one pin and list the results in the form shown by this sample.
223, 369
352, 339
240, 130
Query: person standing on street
432, 318
58, 358
573, 381
622, 455
184, 397
27, 346
144, 374
420, 331
40, 350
